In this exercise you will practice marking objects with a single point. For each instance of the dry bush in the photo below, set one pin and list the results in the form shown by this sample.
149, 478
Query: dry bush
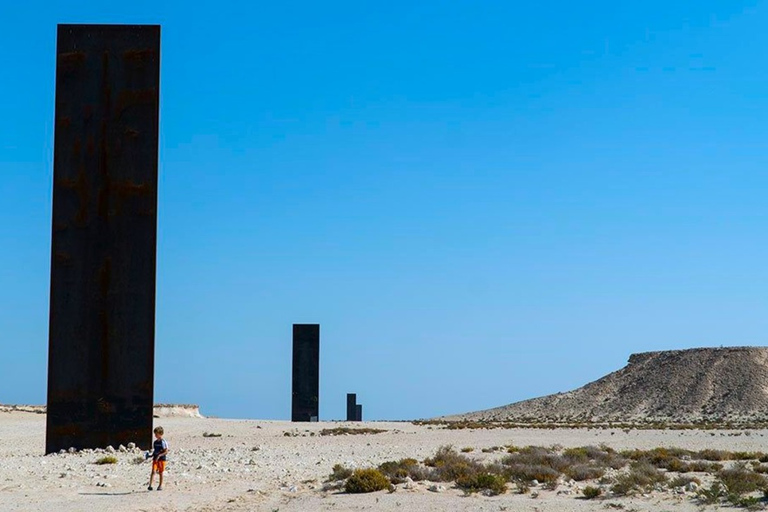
741, 480
346, 431
581, 472
682, 481
641, 477
339, 472
398, 471
109, 459
366, 480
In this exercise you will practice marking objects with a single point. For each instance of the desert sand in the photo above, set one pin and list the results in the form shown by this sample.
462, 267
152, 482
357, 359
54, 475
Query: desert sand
255, 466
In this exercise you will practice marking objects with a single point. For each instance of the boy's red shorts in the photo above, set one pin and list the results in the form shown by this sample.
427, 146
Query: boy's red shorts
158, 466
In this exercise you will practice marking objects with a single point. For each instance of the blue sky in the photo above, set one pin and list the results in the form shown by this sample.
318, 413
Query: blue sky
480, 202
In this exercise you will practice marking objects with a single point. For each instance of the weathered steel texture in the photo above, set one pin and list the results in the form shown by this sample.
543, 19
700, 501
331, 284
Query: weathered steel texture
359, 412
305, 405
102, 311
351, 407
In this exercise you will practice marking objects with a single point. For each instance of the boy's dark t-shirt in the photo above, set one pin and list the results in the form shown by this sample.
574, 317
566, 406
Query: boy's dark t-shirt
158, 446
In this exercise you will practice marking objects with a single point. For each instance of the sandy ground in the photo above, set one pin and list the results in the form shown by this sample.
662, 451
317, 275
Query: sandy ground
254, 466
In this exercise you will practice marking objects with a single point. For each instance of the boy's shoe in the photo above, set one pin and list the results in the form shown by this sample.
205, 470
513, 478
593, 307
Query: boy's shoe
159, 488
150, 488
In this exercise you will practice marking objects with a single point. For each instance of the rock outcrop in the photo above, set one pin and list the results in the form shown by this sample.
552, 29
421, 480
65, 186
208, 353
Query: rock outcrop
676, 386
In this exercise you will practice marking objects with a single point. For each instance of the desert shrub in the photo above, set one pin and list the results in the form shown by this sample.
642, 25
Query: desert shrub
641, 476
449, 465
712, 494
530, 472
398, 471
682, 481
339, 472
495, 484
590, 492
709, 454
109, 459
138, 460
467, 449
211, 434
603, 456
741, 480
747, 455
748, 502
581, 472
346, 431
366, 480
703, 466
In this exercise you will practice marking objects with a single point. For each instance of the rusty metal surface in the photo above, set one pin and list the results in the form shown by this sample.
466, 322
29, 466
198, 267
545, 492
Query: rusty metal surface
305, 405
104, 230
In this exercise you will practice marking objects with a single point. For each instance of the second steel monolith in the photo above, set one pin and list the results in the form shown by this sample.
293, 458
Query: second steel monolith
305, 403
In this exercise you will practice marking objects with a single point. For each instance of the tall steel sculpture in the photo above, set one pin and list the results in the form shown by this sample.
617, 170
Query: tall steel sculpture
305, 404
102, 310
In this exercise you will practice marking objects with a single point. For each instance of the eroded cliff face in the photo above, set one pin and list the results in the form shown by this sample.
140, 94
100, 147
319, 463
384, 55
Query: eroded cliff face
680, 386
160, 410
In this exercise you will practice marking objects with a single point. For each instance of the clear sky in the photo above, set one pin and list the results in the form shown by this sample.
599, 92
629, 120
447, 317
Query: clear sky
479, 201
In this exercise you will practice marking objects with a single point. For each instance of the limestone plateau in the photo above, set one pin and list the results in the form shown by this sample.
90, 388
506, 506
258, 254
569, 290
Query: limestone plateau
718, 385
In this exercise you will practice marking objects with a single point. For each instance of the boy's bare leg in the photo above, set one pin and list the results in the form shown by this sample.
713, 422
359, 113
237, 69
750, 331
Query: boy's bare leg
151, 478
160, 476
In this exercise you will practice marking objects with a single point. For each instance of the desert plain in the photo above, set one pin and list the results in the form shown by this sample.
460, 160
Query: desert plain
282, 466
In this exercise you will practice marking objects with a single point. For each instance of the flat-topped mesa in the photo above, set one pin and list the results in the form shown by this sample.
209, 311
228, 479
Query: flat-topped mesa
159, 410
720, 385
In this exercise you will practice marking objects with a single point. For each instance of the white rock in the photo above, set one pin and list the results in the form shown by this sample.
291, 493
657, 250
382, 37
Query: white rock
437, 488
110, 449
122, 449
534, 483
692, 486
72, 449
131, 446
408, 484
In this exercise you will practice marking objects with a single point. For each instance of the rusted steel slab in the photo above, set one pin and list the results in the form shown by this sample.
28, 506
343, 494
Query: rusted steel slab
104, 231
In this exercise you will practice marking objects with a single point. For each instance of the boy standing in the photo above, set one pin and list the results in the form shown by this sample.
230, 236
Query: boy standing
159, 450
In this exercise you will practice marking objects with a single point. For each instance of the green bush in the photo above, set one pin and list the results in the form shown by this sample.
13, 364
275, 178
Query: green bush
592, 492
496, 484
366, 480
109, 459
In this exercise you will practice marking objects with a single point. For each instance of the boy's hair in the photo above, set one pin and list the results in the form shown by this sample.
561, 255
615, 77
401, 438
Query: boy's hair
158, 430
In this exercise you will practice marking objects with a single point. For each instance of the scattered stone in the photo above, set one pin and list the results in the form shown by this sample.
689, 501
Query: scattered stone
437, 488
110, 449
